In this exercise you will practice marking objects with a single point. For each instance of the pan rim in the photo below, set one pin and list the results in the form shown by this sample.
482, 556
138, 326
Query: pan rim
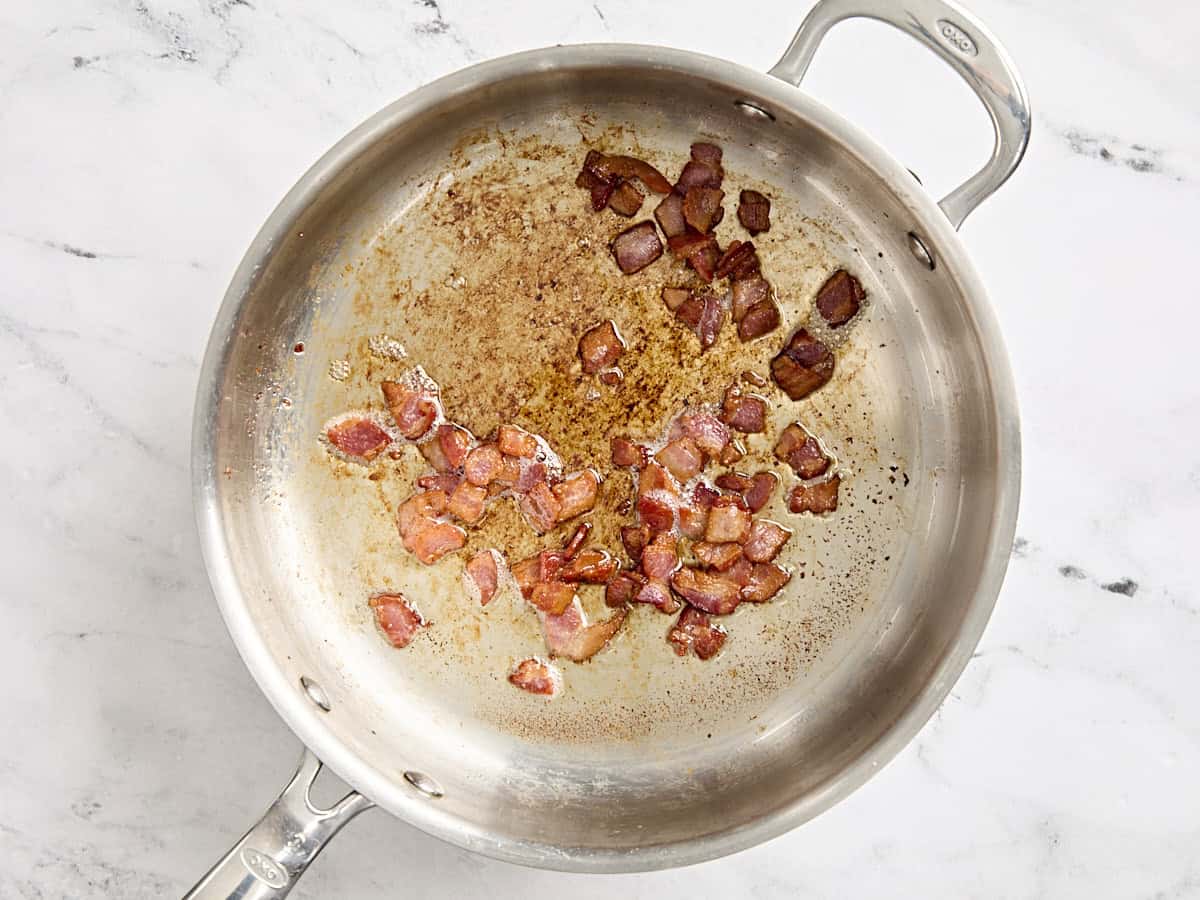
305, 720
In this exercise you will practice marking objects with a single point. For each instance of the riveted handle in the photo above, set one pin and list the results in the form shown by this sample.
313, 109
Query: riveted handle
963, 42
266, 863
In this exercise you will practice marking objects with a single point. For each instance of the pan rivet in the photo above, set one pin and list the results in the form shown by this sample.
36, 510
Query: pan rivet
315, 692
920, 251
754, 110
423, 783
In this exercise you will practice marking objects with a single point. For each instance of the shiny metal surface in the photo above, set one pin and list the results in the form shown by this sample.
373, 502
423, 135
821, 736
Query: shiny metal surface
619, 805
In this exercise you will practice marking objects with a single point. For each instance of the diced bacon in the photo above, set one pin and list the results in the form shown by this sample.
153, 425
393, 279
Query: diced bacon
635, 538
717, 556
706, 591
682, 458
766, 580
632, 167
441, 481
360, 438
660, 559
536, 677
804, 365
703, 496
626, 199
598, 182
839, 298
576, 494
765, 541
710, 433
413, 409
709, 154
698, 174
532, 474
483, 464
743, 412
747, 293
728, 520
654, 477
590, 567
731, 454
657, 593
550, 564
455, 442
739, 261
419, 511
552, 596
700, 207
801, 451
569, 635
526, 575
514, 441
432, 451
467, 501
540, 507
739, 573
762, 318
623, 588
636, 247
575, 543
674, 297
509, 474
431, 543
817, 498
700, 251
626, 452
482, 576
656, 510
692, 521
754, 212
712, 317
735, 481
396, 618
600, 347
670, 215
694, 631
689, 311
761, 490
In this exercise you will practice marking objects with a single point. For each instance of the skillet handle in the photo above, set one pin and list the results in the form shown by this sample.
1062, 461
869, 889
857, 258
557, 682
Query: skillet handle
269, 859
963, 42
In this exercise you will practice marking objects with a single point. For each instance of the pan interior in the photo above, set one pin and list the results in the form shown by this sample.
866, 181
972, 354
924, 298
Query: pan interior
458, 235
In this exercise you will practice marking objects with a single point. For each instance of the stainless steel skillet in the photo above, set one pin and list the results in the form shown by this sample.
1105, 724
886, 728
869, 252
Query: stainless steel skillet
286, 561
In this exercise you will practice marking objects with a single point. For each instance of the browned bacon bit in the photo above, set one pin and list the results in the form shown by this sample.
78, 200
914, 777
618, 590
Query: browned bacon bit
412, 409
636, 247
483, 576
735, 481
658, 594
442, 481
674, 297
765, 541
602, 192
610, 377
658, 496
531, 475
706, 591
623, 588
536, 677
704, 496
525, 574
635, 538
711, 319
692, 522
709, 154
361, 438
801, 451
600, 347
738, 262
576, 494
418, 512
695, 631
817, 498
743, 412
631, 167
540, 507
466, 503
700, 207
514, 441
552, 596
710, 433
760, 319
626, 452
682, 458
751, 377
732, 453
754, 212
483, 464
435, 541
600, 184
573, 545
747, 293
839, 297
717, 556
659, 559
626, 199
804, 365
396, 618
455, 443
739, 573
568, 635
728, 520
690, 311
670, 215
761, 490
766, 580
590, 567
698, 174
432, 451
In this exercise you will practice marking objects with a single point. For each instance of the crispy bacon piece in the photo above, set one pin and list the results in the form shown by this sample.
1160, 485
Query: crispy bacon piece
483, 464
550, 564
698, 174
804, 365
576, 494
635, 538
701, 206
482, 576
623, 587
682, 458
536, 677
631, 167
709, 432
540, 507
762, 318
590, 567
455, 443
569, 635
441, 481
432, 542
735, 481
696, 632
660, 559
765, 541
817, 498
360, 438
627, 453
657, 593
743, 412
754, 212
732, 453
739, 261
532, 474
839, 298
626, 199
396, 618
739, 573
514, 441
419, 512
700, 251
575, 543
526, 575
728, 520
466, 503
706, 591
766, 580
692, 521
509, 474
709, 154
747, 293
658, 497
413, 409
717, 556
669, 214
600, 347
552, 596
760, 491
674, 297
712, 317
801, 451
432, 451
704, 496
689, 311
601, 184
636, 247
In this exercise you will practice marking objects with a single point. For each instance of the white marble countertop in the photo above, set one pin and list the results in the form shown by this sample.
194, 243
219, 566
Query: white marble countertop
141, 146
